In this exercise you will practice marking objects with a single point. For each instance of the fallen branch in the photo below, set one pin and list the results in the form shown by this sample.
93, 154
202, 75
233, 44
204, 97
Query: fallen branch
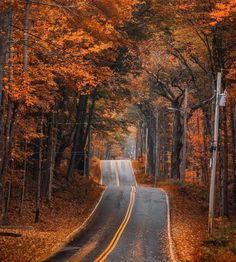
10, 234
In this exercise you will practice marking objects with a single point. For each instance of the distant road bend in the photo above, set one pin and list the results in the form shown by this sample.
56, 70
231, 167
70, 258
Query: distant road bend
130, 223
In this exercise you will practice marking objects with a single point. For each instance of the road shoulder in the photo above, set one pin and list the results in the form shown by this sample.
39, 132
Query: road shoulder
60, 221
188, 216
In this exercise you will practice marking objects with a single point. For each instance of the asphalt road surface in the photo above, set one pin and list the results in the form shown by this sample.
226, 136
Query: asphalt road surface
130, 223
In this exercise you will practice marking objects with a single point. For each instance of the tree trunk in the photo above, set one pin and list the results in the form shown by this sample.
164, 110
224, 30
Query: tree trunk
85, 132
38, 193
12, 111
165, 150
5, 54
26, 29
52, 166
137, 151
157, 150
47, 181
23, 183
233, 132
206, 132
177, 144
80, 117
225, 161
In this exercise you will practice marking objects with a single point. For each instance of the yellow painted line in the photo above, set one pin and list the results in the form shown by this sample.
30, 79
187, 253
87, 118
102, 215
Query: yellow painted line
117, 173
120, 230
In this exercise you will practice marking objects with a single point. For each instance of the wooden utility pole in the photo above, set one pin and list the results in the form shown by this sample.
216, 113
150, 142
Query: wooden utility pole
214, 156
183, 166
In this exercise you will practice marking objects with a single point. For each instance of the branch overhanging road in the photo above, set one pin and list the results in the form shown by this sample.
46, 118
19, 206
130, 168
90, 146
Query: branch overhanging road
130, 223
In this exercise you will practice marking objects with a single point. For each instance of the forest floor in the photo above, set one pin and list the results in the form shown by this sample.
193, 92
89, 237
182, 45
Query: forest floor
71, 205
188, 213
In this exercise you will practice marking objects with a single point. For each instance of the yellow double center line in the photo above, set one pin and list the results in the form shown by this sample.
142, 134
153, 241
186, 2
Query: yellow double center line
120, 230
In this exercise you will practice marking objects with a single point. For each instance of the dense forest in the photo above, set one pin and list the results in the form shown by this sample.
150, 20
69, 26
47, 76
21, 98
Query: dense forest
74, 75
61, 82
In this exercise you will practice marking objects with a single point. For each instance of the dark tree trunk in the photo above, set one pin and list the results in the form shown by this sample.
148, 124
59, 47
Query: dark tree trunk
151, 145
165, 150
47, 180
8, 144
85, 134
177, 144
23, 183
39, 177
225, 162
233, 134
77, 140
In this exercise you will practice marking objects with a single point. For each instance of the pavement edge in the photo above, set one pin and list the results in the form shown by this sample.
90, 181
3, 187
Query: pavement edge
171, 245
59, 246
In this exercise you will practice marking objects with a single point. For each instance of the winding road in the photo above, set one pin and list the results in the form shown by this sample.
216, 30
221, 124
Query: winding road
129, 224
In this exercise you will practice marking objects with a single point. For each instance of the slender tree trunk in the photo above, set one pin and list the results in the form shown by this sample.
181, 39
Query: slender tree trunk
8, 198
12, 111
177, 145
89, 152
85, 132
205, 151
165, 150
38, 193
225, 161
151, 159
81, 109
52, 166
23, 183
157, 150
5, 58
233, 134
137, 151
47, 180
6, 203
26, 35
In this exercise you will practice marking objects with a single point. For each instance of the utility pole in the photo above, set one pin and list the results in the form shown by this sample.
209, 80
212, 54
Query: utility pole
214, 148
183, 166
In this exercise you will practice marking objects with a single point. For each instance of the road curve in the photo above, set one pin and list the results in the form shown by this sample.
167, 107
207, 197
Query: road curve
130, 223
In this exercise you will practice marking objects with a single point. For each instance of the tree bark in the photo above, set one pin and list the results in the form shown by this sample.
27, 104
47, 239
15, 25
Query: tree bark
80, 117
23, 183
233, 135
85, 133
177, 144
38, 193
225, 163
